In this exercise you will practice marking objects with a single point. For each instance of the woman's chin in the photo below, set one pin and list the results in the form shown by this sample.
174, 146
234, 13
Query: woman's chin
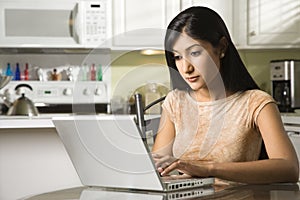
195, 87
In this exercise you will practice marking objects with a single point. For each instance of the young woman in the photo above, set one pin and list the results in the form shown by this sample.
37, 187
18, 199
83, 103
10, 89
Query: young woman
217, 122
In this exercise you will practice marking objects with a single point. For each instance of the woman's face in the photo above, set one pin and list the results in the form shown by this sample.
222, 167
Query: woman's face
198, 62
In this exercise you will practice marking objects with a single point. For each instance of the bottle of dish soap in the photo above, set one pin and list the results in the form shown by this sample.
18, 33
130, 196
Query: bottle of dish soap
151, 95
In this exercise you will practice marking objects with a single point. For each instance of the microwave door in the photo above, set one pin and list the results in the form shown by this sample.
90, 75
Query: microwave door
40, 25
75, 24
37, 23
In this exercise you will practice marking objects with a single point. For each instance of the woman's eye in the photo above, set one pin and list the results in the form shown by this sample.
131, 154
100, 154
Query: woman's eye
195, 53
177, 57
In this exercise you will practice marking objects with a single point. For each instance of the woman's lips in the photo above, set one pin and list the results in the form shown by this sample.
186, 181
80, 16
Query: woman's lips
192, 79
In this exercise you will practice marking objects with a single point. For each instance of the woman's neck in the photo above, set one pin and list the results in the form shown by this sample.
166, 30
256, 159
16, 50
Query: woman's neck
205, 95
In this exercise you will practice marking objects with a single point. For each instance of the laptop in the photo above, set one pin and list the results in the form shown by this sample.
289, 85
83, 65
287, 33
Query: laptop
96, 193
108, 151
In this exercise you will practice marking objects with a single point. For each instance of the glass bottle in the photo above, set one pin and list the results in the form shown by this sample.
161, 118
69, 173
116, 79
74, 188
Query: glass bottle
83, 73
17, 73
99, 73
93, 72
55, 75
26, 72
151, 95
8, 70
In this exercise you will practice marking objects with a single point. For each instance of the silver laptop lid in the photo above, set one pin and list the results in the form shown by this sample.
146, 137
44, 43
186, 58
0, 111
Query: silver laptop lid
107, 151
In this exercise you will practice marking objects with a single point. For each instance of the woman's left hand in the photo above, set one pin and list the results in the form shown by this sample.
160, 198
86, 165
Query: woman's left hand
189, 167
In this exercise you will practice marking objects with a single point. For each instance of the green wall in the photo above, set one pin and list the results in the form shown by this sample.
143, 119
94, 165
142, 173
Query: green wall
153, 68
258, 63
131, 70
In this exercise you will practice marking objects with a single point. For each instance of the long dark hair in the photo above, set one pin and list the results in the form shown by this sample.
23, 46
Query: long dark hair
201, 23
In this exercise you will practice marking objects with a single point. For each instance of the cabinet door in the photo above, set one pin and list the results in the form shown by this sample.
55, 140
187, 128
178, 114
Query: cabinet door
139, 23
223, 8
295, 139
274, 22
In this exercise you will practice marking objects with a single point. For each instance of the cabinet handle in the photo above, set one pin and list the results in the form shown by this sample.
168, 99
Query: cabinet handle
293, 134
252, 33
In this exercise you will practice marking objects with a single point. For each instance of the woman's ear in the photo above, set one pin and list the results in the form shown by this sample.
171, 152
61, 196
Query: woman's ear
223, 44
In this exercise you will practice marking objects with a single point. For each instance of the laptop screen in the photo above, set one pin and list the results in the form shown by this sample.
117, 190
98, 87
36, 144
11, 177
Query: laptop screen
107, 150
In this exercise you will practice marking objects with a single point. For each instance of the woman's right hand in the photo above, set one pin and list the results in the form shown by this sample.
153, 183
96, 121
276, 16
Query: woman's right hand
163, 161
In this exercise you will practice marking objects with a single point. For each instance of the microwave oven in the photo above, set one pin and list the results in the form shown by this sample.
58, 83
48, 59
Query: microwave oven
55, 23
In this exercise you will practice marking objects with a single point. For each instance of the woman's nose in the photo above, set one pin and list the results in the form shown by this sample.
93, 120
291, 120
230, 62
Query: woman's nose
187, 66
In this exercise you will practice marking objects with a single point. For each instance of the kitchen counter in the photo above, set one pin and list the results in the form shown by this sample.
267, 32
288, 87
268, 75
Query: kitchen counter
290, 118
41, 121
218, 191
291, 122
32, 157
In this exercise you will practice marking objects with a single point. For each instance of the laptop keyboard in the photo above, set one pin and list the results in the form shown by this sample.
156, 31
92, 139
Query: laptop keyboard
176, 184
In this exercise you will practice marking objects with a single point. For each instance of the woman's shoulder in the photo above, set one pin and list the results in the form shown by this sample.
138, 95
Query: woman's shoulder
177, 94
257, 99
258, 94
176, 97
174, 101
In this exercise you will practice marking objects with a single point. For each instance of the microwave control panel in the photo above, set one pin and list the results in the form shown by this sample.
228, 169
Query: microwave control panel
94, 27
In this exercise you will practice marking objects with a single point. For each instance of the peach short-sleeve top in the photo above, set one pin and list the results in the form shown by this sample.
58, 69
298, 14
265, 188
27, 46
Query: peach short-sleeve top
221, 131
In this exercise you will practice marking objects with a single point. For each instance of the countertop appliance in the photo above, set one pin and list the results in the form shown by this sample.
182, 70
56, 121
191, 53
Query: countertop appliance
285, 84
57, 23
23, 105
64, 96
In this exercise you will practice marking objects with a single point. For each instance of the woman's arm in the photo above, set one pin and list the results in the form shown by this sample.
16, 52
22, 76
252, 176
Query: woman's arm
282, 165
162, 148
165, 136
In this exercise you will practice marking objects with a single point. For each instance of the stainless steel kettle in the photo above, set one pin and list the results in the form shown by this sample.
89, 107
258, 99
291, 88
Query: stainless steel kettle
23, 105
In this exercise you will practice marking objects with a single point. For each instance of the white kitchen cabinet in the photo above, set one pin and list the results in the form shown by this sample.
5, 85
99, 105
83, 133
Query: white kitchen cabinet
140, 24
274, 23
258, 23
